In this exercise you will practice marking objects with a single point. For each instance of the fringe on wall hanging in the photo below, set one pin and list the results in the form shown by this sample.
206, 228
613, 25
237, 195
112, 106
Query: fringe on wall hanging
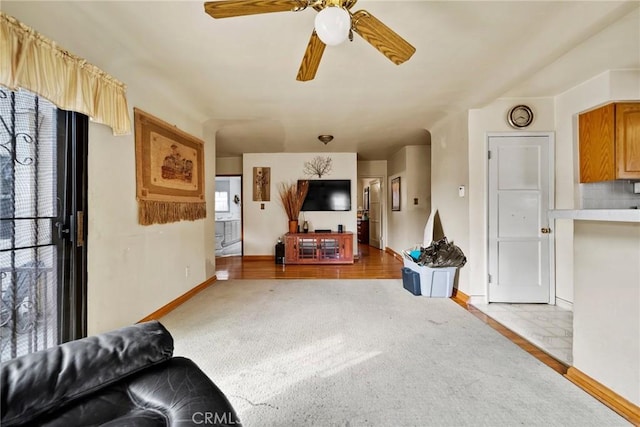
150, 212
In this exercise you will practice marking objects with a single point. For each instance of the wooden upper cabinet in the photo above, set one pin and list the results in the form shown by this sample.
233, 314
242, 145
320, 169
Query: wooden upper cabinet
609, 142
597, 144
628, 140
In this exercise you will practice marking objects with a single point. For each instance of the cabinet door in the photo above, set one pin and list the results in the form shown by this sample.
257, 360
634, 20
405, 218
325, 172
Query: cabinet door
597, 144
290, 249
307, 248
346, 247
628, 140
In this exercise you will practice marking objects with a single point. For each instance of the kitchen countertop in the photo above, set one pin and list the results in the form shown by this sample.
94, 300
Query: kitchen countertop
619, 215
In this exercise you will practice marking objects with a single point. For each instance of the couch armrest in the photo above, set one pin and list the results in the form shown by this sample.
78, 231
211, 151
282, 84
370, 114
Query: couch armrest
36, 383
189, 395
174, 393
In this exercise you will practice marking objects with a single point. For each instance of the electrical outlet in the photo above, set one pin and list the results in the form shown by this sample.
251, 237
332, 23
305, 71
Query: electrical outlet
186, 272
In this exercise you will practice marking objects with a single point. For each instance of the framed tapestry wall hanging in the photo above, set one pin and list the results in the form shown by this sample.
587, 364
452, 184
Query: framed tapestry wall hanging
169, 172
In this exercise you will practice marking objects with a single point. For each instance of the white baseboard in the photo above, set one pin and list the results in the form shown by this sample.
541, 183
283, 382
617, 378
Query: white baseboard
564, 304
479, 299
482, 299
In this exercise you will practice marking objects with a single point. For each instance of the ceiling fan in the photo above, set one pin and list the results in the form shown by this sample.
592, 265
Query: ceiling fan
337, 23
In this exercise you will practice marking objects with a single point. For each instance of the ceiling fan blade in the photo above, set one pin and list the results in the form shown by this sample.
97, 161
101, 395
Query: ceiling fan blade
231, 8
311, 59
383, 38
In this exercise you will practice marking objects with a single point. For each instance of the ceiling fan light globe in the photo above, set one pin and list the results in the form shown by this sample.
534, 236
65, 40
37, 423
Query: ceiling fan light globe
332, 25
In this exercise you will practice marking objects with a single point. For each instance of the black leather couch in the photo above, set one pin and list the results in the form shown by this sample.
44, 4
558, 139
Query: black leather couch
126, 377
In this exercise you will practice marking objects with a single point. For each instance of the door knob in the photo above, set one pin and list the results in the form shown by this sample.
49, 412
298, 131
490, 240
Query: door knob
545, 230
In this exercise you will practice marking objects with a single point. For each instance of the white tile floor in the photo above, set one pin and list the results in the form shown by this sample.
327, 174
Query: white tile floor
546, 326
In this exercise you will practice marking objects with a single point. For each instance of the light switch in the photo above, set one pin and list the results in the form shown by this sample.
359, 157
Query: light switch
461, 191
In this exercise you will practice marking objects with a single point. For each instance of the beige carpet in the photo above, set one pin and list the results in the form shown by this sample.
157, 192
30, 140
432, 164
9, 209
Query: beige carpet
367, 353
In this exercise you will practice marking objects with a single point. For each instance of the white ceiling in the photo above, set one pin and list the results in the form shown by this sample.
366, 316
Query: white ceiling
237, 75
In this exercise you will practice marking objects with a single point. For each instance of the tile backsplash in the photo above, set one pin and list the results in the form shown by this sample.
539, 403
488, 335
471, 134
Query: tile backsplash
616, 194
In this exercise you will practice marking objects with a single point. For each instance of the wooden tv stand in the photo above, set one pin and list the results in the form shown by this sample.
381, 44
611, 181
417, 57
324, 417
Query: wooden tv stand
318, 248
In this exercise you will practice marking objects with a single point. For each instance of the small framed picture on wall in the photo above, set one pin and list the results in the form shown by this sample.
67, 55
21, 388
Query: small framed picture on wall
395, 194
261, 184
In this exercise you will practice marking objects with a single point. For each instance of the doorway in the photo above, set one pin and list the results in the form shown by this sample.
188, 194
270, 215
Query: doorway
228, 229
370, 189
520, 192
375, 213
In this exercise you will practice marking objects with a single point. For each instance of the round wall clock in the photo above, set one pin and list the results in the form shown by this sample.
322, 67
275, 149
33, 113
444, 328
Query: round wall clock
520, 116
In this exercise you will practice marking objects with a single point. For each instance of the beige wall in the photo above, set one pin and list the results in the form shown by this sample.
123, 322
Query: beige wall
134, 270
606, 322
372, 168
229, 165
449, 170
263, 227
406, 226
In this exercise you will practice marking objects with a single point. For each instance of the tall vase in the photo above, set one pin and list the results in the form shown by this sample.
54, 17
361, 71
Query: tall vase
293, 226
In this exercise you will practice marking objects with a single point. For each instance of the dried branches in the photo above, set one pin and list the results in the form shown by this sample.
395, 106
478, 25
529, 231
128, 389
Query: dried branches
292, 197
318, 166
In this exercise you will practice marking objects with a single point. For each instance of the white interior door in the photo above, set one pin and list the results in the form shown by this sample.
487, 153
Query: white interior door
375, 214
520, 195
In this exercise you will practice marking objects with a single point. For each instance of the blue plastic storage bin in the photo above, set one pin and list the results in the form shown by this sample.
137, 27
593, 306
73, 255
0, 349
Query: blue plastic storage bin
434, 282
411, 280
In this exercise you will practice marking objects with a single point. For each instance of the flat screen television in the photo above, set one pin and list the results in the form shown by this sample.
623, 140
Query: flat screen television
328, 195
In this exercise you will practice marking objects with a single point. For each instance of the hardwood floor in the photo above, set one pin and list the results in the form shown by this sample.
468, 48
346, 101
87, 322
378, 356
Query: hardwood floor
372, 264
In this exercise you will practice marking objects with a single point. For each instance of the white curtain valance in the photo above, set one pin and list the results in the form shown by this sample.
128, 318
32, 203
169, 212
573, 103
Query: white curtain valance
31, 61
